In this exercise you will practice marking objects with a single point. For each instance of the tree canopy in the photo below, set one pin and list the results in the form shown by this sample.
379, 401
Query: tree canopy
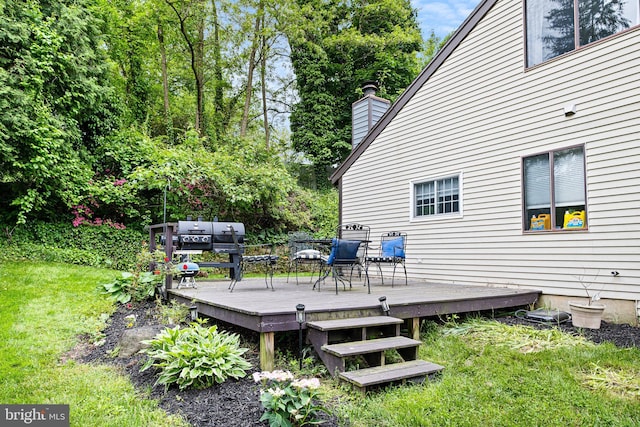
334, 52
106, 106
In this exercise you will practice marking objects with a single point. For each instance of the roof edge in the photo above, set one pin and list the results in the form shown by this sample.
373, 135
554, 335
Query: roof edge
460, 34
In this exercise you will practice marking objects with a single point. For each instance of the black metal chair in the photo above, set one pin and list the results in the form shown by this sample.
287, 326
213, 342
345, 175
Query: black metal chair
302, 250
348, 252
262, 255
392, 251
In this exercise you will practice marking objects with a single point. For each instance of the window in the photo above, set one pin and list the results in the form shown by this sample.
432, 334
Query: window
552, 28
554, 190
437, 197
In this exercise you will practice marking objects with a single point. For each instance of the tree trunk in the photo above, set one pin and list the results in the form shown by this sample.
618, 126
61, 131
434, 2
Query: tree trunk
196, 51
252, 66
263, 79
165, 83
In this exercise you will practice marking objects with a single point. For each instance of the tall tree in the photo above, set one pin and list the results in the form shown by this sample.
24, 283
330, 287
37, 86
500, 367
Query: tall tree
56, 103
190, 15
336, 46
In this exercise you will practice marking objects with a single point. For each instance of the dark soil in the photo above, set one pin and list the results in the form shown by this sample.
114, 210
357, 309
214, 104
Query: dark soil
236, 402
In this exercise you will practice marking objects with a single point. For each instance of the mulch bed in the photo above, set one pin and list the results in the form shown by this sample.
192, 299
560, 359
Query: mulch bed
235, 403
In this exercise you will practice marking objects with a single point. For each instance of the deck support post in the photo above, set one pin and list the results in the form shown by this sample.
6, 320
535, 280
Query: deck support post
414, 328
267, 351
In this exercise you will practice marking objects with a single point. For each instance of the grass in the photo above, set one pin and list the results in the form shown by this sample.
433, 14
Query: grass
498, 375
495, 375
43, 309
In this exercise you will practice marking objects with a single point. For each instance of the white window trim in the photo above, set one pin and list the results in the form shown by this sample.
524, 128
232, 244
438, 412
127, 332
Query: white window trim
436, 217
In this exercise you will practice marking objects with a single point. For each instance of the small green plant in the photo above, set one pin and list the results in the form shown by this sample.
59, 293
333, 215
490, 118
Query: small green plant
139, 283
131, 286
287, 401
196, 356
171, 313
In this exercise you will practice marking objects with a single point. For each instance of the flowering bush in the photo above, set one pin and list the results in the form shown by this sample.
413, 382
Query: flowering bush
287, 401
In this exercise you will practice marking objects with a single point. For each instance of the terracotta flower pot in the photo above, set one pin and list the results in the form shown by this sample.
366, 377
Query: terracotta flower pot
585, 315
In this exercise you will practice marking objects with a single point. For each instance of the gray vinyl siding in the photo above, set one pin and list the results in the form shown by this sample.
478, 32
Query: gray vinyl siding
363, 121
478, 115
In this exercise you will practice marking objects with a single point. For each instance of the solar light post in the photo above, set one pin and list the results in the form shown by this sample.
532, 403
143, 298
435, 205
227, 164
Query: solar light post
300, 318
193, 312
384, 305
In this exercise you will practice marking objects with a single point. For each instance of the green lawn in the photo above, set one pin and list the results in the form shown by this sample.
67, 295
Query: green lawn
43, 309
495, 375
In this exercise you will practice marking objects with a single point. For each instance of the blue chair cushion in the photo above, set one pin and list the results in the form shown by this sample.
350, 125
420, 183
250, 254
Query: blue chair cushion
343, 249
395, 247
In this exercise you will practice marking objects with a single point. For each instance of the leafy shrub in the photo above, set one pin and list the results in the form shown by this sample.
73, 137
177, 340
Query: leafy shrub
196, 356
139, 283
288, 402
100, 246
132, 286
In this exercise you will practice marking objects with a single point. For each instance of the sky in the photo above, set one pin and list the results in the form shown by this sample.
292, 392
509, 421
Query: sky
442, 16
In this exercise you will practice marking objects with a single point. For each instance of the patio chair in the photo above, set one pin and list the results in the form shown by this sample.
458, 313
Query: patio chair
343, 256
360, 232
392, 251
260, 255
302, 249
348, 252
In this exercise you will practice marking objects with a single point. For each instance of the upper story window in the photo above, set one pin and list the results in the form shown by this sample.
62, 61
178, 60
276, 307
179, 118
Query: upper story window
436, 197
554, 190
555, 27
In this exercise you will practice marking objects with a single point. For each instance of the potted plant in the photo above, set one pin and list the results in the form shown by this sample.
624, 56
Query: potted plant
587, 315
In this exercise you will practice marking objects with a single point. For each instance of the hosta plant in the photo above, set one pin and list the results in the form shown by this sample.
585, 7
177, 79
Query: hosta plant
196, 356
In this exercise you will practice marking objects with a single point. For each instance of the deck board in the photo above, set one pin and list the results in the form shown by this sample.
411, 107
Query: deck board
252, 305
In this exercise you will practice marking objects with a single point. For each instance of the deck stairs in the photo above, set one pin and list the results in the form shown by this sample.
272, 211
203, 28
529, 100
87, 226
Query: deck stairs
368, 341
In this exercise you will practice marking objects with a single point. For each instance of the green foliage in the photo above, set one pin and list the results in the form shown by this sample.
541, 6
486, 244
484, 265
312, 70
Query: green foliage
140, 283
336, 48
288, 402
98, 246
171, 313
129, 287
55, 102
196, 356
42, 315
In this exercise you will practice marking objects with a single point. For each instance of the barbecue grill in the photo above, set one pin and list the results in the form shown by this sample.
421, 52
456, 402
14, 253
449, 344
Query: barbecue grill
188, 271
212, 236
209, 236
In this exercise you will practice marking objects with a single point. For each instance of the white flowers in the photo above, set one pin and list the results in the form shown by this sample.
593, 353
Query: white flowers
288, 401
280, 376
309, 383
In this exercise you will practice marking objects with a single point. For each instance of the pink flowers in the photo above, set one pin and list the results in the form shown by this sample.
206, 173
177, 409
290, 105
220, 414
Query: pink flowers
83, 215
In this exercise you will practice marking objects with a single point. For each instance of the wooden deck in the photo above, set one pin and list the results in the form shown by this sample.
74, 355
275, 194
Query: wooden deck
253, 306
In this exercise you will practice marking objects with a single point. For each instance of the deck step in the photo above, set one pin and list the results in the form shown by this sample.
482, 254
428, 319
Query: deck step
387, 374
355, 322
369, 346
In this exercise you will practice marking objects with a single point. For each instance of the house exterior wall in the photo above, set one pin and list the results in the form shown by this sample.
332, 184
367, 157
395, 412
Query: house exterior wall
478, 115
